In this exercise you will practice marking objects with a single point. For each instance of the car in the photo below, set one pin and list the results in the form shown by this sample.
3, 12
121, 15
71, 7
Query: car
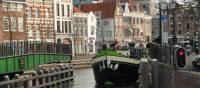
196, 61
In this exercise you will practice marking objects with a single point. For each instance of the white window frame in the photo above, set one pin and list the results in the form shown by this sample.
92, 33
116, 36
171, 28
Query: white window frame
46, 13
13, 7
20, 7
20, 24
5, 19
13, 23
29, 12
37, 12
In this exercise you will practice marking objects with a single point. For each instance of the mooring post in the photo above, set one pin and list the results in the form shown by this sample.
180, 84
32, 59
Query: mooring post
16, 85
155, 75
40, 72
26, 83
144, 74
34, 81
6, 78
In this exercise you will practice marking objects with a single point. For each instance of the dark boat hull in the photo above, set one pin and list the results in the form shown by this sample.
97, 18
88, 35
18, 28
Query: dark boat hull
114, 71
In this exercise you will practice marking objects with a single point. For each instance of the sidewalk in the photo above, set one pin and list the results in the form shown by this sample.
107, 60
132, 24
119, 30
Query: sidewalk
84, 56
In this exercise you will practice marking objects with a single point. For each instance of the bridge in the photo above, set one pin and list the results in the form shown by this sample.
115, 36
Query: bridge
31, 62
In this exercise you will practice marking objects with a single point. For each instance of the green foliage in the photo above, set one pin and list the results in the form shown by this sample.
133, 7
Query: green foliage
109, 52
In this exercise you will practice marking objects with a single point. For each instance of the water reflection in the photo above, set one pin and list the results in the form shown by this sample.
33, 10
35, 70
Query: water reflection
84, 78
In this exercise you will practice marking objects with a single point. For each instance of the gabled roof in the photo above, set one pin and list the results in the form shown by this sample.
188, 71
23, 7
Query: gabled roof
107, 9
76, 10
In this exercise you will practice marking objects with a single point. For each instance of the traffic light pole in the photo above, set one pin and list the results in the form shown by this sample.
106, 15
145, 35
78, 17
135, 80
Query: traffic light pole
160, 31
174, 39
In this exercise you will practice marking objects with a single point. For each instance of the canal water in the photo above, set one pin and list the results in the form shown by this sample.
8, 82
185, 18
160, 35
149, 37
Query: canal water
84, 78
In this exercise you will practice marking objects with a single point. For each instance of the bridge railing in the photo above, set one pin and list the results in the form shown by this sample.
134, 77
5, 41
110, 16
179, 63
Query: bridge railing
20, 48
163, 53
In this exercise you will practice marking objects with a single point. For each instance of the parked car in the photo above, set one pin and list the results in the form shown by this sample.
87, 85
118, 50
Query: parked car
196, 61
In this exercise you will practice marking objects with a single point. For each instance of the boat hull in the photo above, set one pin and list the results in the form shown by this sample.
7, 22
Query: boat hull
115, 70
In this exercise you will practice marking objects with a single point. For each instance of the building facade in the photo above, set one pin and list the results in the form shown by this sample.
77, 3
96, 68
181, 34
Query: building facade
85, 31
12, 23
39, 21
104, 13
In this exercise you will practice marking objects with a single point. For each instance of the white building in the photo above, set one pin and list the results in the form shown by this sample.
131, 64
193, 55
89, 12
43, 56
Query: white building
63, 10
105, 13
85, 31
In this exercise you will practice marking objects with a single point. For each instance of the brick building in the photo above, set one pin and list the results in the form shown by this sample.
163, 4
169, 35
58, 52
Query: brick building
39, 20
12, 23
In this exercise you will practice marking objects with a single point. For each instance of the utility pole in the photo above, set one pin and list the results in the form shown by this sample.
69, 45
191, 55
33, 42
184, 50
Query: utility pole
159, 39
174, 38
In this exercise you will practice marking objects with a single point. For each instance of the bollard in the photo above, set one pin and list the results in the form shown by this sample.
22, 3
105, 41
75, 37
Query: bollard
47, 78
51, 77
155, 75
144, 74
63, 74
66, 74
46, 71
57, 76
26, 83
40, 72
16, 85
6, 78
34, 81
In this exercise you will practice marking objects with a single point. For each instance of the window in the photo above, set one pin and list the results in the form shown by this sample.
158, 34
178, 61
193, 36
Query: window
66, 30
179, 17
29, 12
37, 34
63, 10
37, 12
70, 30
92, 30
13, 23
13, 7
58, 10
5, 6
106, 23
179, 32
85, 20
30, 32
171, 18
63, 27
97, 14
20, 24
46, 13
179, 25
58, 26
5, 24
98, 24
19, 7
188, 25
191, 17
68, 10
171, 25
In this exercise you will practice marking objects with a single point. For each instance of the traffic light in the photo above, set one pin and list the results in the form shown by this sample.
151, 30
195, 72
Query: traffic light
180, 57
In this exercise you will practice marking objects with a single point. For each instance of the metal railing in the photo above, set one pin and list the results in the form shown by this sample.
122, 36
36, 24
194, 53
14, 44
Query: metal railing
59, 77
163, 53
21, 48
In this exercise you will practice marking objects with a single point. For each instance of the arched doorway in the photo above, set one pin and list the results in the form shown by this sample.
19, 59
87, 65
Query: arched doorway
67, 46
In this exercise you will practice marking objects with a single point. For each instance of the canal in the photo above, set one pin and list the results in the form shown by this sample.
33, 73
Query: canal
84, 78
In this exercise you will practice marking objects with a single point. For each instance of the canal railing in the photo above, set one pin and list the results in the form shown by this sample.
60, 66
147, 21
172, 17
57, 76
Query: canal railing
55, 77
